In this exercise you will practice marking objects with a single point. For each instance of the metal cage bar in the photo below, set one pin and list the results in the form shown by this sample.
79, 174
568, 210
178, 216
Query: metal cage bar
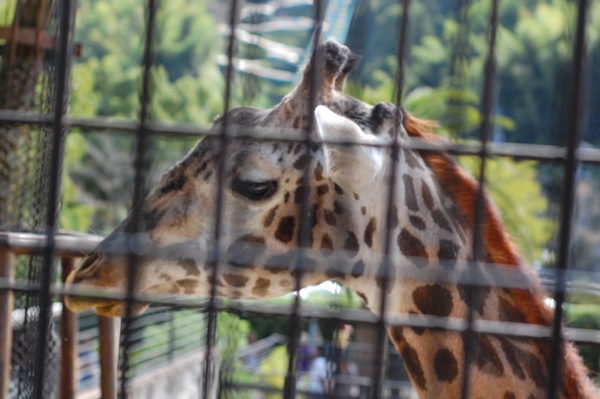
574, 115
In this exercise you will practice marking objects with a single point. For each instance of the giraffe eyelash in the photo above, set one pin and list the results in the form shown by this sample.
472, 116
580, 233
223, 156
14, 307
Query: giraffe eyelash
255, 191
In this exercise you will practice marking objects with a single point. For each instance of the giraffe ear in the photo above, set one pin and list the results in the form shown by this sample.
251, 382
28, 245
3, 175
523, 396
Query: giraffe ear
347, 164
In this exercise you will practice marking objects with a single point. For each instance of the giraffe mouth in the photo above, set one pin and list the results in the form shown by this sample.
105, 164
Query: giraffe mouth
119, 309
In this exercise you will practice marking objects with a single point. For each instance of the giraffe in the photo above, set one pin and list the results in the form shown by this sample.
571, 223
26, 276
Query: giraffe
431, 221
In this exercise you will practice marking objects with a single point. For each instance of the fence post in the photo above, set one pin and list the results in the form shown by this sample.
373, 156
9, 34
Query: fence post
109, 328
7, 263
68, 334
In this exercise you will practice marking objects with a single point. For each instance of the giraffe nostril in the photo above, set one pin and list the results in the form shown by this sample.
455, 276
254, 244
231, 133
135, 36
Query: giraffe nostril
88, 262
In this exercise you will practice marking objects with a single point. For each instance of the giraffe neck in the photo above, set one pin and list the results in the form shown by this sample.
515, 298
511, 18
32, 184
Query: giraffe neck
499, 366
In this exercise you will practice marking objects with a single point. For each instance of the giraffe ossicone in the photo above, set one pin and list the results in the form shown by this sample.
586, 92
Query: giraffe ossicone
347, 188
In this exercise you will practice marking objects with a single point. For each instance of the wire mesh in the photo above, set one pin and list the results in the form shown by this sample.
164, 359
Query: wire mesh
27, 84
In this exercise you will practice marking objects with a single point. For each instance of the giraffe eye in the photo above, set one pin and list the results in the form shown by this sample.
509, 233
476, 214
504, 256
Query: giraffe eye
255, 191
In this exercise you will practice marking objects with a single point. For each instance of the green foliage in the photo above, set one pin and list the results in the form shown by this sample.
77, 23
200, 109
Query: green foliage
587, 317
7, 12
75, 215
518, 195
274, 368
232, 334
534, 48
187, 86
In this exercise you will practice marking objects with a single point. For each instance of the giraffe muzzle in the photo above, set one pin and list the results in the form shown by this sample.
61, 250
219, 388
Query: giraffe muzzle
91, 275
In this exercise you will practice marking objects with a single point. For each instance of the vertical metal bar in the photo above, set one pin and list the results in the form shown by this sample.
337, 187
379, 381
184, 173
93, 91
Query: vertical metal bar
487, 101
108, 334
215, 256
289, 389
574, 129
378, 388
7, 270
140, 164
68, 334
172, 336
458, 61
55, 181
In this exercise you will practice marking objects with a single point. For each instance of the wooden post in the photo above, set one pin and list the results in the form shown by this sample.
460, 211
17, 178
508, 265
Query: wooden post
69, 324
7, 268
109, 329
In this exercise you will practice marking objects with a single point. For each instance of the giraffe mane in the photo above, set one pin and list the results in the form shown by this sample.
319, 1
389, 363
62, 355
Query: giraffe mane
500, 248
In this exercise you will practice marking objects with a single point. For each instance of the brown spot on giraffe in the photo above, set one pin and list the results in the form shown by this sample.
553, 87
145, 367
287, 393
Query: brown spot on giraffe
410, 357
218, 282
326, 243
440, 220
484, 354
235, 280
351, 243
285, 229
338, 189
410, 245
411, 160
433, 299
319, 172
509, 312
417, 222
270, 216
369, 232
261, 286
448, 253
363, 210
445, 365
322, 189
302, 161
330, 217
427, 197
410, 197
298, 148
190, 266
338, 208
522, 362
509, 395
513, 355
188, 285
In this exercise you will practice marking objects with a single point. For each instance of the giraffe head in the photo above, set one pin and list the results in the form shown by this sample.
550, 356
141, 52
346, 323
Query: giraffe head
264, 184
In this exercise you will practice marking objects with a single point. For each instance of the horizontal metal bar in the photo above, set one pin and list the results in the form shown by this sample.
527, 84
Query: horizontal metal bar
539, 152
498, 276
64, 245
318, 312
